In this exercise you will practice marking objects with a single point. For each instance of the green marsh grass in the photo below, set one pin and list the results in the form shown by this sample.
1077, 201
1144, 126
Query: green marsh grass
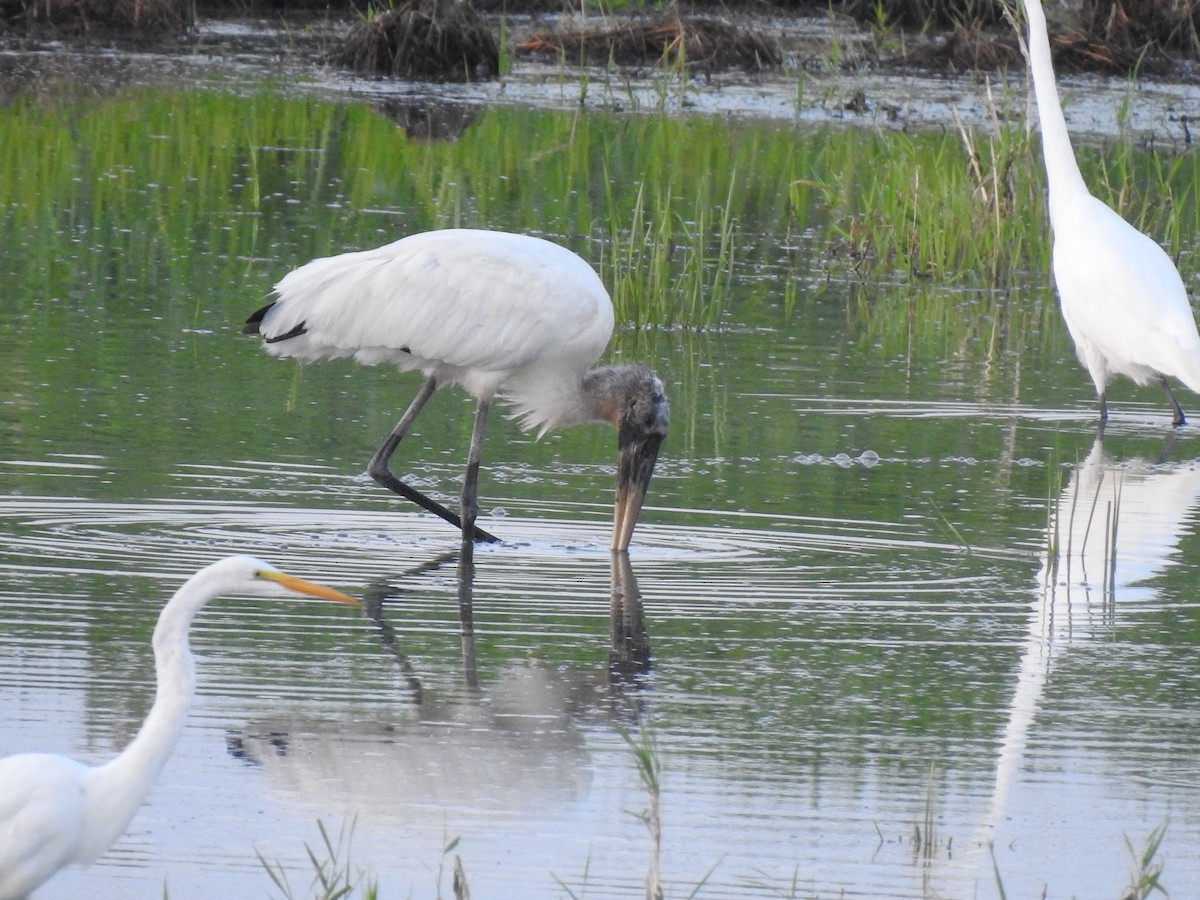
1147, 867
458, 878
669, 269
960, 221
953, 209
646, 758
334, 877
694, 222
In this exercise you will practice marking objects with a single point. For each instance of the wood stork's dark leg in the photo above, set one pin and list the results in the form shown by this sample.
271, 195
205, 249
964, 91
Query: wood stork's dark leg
1164, 455
1178, 419
470, 489
1103, 416
383, 476
466, 615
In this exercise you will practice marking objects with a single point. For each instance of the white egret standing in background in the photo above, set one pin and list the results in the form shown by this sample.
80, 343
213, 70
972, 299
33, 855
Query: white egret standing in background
55, 811
501, 315
1121, 296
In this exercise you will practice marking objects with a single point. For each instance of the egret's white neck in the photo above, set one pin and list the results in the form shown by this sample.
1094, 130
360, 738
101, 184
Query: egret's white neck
1062, 171
117, 789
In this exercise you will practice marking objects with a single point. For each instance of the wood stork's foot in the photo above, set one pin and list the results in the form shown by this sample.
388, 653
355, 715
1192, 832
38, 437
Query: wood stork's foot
1178, 419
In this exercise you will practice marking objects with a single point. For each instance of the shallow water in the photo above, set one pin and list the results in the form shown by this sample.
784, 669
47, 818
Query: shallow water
866, 624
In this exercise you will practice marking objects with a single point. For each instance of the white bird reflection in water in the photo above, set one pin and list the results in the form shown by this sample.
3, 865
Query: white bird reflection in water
511, 744
1114, 527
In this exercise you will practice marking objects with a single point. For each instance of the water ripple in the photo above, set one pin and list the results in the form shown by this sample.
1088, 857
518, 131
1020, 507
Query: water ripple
186, 533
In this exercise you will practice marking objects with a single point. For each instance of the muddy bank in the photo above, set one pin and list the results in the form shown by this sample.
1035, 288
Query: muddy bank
438, 39
830, 69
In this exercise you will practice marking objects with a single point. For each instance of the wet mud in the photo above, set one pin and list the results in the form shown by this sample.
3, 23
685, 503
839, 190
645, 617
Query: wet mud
808, 69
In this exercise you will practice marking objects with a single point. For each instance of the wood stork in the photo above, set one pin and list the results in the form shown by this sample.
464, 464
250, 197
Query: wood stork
501, 315
1121, 296
55, 811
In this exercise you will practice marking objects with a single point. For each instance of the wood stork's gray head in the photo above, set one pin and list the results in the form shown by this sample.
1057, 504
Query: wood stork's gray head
640, 413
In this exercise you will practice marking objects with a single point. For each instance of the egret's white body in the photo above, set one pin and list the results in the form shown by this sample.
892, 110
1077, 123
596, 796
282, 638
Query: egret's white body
55, 811
502, 315
1122, 298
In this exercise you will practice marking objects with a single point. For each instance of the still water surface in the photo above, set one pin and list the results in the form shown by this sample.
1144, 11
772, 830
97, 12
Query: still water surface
869, 624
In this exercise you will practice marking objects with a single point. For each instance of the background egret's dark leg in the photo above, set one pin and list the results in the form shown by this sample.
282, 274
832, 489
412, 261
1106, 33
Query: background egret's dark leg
379, 470
470, 489
1103, 413
1178, 419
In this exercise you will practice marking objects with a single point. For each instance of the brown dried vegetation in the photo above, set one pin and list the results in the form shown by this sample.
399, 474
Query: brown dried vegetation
1134, 25
1113, 37
694, 41
927, 13
149, 18
449, 40
423, 40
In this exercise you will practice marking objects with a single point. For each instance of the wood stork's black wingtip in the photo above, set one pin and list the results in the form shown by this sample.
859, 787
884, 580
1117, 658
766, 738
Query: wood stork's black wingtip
255, 320
254, 326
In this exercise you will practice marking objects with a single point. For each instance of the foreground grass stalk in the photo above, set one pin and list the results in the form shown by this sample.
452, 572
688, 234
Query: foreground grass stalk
1147, 870
649, 769
334, 878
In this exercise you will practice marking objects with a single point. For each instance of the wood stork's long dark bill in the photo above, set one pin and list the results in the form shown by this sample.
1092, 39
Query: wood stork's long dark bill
641, 429
635, 466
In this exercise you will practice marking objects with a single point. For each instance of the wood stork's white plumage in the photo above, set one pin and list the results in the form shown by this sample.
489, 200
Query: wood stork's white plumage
501, 315
1121, 296
55, 811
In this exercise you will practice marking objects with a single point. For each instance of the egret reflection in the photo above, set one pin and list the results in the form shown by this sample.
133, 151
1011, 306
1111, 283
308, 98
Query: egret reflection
1114, 527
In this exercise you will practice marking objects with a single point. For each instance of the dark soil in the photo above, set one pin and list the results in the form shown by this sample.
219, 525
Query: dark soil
453, 40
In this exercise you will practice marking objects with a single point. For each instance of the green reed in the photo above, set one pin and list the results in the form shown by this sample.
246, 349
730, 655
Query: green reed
694, 222
959, 220
1147, 868
1157, 191
668, 269
956, 208
333, 878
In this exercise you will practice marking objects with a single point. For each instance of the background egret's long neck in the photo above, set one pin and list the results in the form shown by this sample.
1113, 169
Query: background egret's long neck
1062, 172
121, 785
